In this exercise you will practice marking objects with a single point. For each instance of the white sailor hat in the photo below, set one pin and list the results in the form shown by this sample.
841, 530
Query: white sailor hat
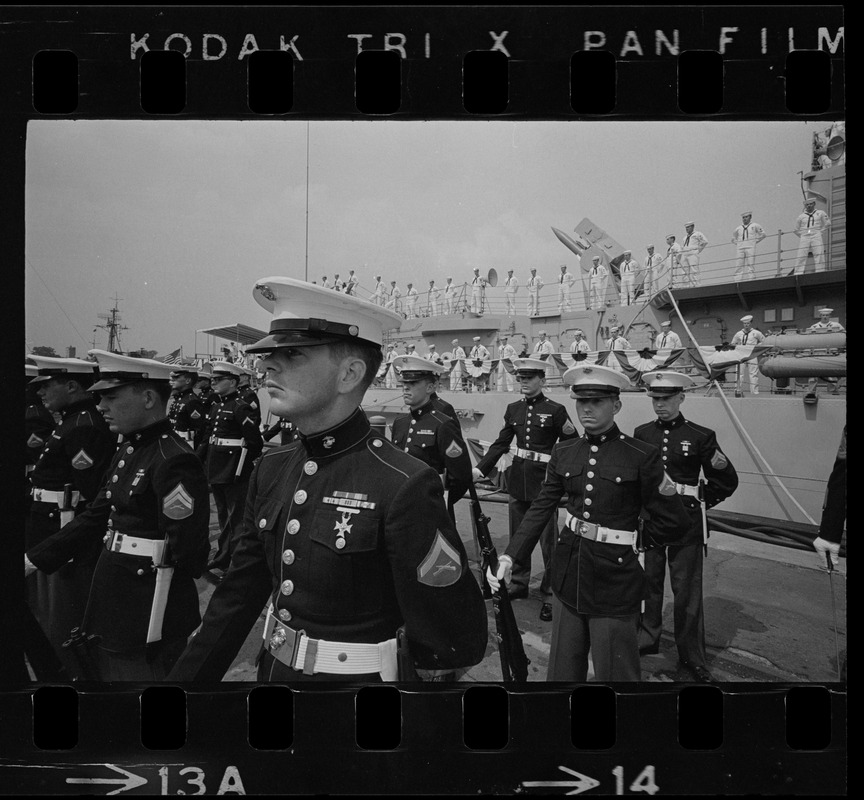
476, 339
578, 330
305, 315
509, 270
594, 381
627, 253
595, 258
227, 368
50, 367
746, 213
688, 223
430, 347
529, 366
412, 368
665, 324
663, 384
455, 341
826, 311
747, 318
533, 269
116, 370
541, 333
649, 246
670, 235
808, 200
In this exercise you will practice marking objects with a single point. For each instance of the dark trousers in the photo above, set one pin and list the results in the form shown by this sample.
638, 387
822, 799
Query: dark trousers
522, 573
685, 575
612, 642
230, 499
134, 665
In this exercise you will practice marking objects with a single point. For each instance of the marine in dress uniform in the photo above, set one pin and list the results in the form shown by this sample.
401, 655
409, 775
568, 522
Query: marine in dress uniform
689, 452
204, 390
186, 411
282, 428
745, 237
511, 286
155, 498
691, 248
536, 423
248, 393
39, 422
748, 335
598, 278
535, 284
346, 537
667, 339
428, 433
597, 581
627, 270
231, 444
808, 228
65, 479
565, 284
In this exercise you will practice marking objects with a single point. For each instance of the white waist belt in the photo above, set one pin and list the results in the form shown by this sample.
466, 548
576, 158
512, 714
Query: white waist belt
531, 455
45, 496
296, 650
118, 542
598, 533
227, 442
683, 488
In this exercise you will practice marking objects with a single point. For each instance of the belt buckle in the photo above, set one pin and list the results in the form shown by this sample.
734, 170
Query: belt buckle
116, 542
279, 637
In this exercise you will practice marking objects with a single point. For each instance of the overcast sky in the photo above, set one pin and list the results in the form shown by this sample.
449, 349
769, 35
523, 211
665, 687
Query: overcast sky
180, 218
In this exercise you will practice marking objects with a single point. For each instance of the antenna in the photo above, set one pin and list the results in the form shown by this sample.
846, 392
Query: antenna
112, 324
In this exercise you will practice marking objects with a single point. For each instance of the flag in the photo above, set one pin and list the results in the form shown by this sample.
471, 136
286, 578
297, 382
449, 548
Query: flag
172, 358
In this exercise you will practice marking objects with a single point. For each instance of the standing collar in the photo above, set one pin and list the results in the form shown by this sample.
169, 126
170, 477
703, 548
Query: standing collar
230, 396
149, 433
87, 404
416, 413
606, 436
672, 423
536, 399
339, 438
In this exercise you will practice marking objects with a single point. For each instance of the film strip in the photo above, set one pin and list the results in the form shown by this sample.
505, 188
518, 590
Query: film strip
633, 64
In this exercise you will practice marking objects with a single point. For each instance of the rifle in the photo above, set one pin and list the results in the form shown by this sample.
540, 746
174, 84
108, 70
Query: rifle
514, 662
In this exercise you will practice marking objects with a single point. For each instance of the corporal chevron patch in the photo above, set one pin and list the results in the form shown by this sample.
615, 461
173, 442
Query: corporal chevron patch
453, 451
718, 460
195, 415
82, 460
442, 565
35, 441
569, 428
178, 503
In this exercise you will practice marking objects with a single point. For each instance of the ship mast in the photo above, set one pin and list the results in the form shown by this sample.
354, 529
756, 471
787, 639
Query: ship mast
111, 323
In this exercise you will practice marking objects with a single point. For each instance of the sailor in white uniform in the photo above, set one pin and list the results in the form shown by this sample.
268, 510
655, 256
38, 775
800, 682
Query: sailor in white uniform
434, 299
808, 228
511, 286
449, 296
565, 283
411, 301
667, 339
651, 266
627, 270
748, 335
478, 292
693, 245
598, 278
747, 235
534, 287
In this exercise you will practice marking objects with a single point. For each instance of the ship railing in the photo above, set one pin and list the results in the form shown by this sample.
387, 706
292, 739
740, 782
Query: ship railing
775, 256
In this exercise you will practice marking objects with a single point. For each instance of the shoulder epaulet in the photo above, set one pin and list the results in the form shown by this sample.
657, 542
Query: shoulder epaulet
282, 450
171, 445
699, 428
644, 426
636, 444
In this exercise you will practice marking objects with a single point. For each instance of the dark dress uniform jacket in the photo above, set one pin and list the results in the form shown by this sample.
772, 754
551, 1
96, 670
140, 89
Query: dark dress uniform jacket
230, 418
607, 480
686, 447
536, 423
249, 396
436, 440
156, 489
446, 408
188, 414
38, 425
343, 576
78, 452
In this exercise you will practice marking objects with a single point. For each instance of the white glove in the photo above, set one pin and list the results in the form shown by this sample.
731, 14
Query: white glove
821, 546
477, 475
505, 570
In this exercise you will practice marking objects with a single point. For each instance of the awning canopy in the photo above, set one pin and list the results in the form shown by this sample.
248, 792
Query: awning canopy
242, 334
